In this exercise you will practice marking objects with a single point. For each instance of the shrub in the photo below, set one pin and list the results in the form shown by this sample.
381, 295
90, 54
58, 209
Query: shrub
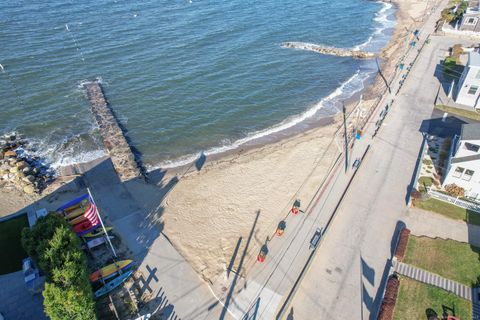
454, 190
56, 249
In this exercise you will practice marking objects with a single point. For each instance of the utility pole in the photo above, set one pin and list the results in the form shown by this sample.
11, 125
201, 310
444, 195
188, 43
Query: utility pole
346, 137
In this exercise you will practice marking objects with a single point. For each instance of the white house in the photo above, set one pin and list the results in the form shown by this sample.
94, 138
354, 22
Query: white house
471, 18
469, 83
463, 164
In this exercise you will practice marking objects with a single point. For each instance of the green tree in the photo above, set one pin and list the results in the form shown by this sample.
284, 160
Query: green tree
56, 249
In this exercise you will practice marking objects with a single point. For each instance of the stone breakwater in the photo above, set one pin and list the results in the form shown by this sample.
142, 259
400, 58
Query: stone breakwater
114, 141
19, 170
357, 54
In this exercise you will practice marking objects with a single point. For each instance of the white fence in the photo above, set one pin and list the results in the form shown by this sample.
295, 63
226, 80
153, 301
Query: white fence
455, 201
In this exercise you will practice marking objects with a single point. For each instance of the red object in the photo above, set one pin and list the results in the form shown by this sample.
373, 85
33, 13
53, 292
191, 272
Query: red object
92, 214
260, 258
83, 226
295, 210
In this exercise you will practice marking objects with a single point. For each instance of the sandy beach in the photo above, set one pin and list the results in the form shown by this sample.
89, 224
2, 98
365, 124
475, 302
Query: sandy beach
211, 208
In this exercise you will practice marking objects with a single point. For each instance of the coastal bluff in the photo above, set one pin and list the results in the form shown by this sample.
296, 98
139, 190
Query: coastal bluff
340, 52
114, 140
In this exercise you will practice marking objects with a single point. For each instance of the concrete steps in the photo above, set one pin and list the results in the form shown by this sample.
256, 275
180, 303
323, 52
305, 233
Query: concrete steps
436, 280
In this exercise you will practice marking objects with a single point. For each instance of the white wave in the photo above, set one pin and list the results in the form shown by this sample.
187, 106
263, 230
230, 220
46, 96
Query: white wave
381, 17
354, 85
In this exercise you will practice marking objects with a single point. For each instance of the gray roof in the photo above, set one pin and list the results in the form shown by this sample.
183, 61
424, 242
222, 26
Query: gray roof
471, 131
474, 59
466, 159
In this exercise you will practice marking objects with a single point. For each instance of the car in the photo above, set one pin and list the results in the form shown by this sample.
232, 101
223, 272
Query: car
316, 238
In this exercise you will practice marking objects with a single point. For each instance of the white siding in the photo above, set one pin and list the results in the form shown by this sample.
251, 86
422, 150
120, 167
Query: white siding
468, 79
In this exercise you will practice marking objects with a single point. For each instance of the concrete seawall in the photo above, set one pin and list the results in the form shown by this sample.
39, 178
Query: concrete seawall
114, 140
340, 52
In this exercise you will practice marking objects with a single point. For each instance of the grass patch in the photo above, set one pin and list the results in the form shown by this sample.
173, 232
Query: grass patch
11, 250
424, 182
451, 259
448, 210
427, 162
415, 298
459, 112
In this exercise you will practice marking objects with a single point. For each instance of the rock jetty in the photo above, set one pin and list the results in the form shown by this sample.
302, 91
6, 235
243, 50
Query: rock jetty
114, 141
357, 54
18, 169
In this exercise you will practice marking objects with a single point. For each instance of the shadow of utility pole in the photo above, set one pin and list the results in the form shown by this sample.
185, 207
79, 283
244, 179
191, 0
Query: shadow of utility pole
239, 269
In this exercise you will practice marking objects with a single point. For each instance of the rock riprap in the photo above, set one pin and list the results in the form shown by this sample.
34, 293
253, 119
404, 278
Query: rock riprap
18, 169
112, 134
332, 51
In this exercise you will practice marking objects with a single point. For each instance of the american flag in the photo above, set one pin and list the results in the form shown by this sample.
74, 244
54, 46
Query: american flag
92, 214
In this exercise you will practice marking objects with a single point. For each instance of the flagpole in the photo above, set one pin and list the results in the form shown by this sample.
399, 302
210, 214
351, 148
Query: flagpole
103, 226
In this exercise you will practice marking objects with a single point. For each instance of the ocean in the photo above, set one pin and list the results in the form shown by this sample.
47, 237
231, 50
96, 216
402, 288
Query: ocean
183, 77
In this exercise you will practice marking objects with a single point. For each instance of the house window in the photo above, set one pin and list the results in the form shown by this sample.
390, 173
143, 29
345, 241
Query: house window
472, 147
473, 90
471, 21
458, 172
468, 175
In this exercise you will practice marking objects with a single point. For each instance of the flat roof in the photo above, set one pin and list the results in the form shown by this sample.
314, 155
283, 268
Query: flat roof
470, 131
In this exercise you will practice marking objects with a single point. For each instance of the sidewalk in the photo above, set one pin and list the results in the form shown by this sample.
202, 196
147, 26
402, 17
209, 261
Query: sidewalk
433, 225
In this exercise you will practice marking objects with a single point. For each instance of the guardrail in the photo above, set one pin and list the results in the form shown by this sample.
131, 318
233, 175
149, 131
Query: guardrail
455, 201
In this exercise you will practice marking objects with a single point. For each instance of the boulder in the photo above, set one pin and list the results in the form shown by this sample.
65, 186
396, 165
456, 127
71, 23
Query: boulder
13, 170
29, 189
10, 154
21, 165
35, 171
30, 178
1, 154
27, 170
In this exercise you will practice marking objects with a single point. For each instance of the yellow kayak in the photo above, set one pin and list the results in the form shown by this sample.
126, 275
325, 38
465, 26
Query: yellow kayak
77, 212
96, 232
110, 270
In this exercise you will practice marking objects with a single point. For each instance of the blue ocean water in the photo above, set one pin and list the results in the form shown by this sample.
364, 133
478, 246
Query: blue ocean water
182, 76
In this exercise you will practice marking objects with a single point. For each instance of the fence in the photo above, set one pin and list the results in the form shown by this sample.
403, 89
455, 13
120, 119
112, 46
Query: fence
455, 201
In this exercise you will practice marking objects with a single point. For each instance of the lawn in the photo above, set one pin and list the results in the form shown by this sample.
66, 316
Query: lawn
451, 259
459, 112
11, 251
448, 210
415, 298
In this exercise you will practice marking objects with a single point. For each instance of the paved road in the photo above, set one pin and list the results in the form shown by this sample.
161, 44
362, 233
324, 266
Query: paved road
360, 244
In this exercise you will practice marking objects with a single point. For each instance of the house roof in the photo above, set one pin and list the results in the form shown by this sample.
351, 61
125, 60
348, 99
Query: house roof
466, 159
471, 131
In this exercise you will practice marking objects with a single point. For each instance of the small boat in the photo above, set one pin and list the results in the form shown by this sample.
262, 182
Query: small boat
109, 286
84, 227
75, 213
110, 270
96, 232
77, 220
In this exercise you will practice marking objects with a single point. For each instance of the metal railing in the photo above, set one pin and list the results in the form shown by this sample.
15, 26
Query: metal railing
455, 201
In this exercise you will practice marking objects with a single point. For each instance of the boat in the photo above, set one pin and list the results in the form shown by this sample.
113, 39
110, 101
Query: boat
110, 270
77, 220
109, 286
84, 227
97, 232
75, 213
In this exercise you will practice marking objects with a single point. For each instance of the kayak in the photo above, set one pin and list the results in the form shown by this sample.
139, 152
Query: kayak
110, 270
81, 204
77, 220
109, 286
97, 232
84, 227
77, 212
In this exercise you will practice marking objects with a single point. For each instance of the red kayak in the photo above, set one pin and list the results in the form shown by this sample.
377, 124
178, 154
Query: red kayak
84, 227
